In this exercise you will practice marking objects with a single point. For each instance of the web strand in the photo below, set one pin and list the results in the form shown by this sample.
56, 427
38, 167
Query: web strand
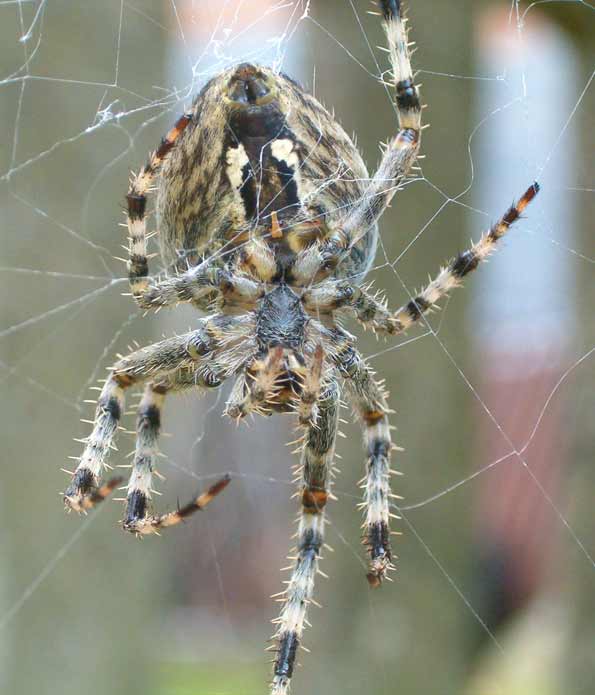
123, 112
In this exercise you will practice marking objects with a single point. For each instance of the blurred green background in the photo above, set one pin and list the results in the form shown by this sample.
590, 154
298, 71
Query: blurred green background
85, 607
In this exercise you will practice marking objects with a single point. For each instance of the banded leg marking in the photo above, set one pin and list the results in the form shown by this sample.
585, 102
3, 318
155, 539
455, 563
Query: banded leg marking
148, 426
147, 433
372, 311
307, 406
316, 470
407, 94
154, 523
85, 489
452, 274
138, 262
369, 401
400, 155
403, 149
330, 297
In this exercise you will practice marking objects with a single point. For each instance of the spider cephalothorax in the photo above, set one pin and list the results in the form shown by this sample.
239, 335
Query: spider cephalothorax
268, 222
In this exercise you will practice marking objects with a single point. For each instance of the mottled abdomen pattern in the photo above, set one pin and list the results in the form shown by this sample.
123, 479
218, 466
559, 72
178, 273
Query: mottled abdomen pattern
241, 167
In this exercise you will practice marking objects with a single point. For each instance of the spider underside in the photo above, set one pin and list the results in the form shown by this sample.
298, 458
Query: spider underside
267, 222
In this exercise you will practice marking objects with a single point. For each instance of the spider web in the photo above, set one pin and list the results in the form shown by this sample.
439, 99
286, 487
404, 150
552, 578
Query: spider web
84, 95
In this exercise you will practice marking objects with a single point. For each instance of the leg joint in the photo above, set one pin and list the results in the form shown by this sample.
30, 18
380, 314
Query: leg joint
111, 406
313, 500
136, 206
135, 509
407, 97
149, 417
378, 448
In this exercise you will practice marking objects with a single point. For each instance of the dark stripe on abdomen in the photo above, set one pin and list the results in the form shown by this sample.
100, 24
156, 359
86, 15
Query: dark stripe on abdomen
287, 184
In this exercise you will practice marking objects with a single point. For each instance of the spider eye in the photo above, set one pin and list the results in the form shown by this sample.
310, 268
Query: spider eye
249, 86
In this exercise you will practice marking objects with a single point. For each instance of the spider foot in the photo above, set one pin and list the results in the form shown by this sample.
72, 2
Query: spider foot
377, 540
142, 526
83, 493
378, 571
152, 524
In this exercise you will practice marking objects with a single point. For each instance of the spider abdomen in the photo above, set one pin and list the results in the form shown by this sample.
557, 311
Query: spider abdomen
260, 156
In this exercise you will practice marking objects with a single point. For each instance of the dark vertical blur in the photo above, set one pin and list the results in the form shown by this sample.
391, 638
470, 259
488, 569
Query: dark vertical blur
113, 615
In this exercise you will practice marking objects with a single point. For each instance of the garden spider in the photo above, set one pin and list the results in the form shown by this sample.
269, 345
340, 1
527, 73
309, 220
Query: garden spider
276, 216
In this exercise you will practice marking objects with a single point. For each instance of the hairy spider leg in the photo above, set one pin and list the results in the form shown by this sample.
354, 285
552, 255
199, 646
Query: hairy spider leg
200, 502
452, 274
140, 185
369, 401
146, 451
373, 312
255, 387
402, 150
397, 160
149, 363
202, 282
148, 426
316, 472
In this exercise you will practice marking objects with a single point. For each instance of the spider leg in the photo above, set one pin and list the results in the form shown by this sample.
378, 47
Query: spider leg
196, 284
452, 274
140, 185
369, 401
153, 524
148, 427
402, 150
149, 363
328, 297
139, 486
316, 471
397, 160
332, 296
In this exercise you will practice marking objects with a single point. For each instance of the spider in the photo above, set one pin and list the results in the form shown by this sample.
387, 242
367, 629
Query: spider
277, 219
